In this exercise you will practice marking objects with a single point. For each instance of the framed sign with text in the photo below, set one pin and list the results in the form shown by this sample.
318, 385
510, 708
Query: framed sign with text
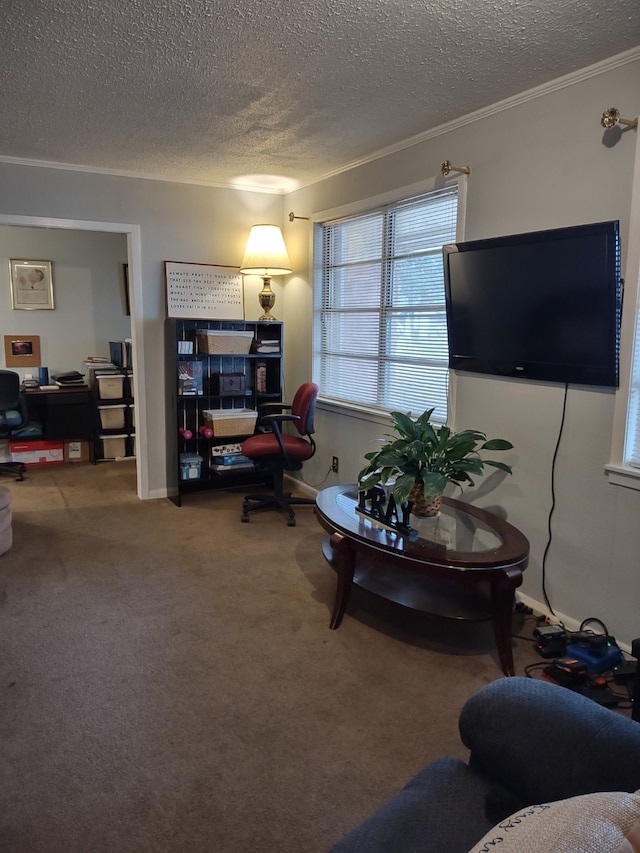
207, 291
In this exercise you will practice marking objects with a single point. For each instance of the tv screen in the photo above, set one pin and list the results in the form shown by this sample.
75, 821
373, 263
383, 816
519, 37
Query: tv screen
544, 305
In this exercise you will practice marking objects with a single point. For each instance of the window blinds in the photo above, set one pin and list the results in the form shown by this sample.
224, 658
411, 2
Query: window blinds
632, 443
380, 320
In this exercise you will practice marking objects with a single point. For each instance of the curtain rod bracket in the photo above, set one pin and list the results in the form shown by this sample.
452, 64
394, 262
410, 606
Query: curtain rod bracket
292, 216
611, 117
447, 167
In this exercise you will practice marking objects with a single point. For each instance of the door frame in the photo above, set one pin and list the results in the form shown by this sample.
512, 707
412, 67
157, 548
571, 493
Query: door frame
134, 257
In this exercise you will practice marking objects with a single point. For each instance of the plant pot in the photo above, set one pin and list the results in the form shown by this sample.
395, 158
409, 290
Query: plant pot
422, 506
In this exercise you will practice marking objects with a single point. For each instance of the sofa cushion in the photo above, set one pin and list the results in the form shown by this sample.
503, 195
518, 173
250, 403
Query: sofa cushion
441, 809
604, 822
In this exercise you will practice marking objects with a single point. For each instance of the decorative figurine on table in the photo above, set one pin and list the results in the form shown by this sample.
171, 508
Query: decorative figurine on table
373, 504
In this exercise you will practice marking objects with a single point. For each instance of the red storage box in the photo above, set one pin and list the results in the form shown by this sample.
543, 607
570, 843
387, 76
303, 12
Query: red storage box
37, 452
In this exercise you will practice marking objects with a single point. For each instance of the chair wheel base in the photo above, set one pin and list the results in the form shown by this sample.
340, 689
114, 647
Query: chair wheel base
280, 501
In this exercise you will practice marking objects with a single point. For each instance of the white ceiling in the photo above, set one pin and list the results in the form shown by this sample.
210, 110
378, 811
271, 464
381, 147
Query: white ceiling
209, 91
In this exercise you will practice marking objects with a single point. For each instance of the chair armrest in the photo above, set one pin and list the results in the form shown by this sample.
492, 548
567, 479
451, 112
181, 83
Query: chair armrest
267, 411
277, 420
271, 407
545, 742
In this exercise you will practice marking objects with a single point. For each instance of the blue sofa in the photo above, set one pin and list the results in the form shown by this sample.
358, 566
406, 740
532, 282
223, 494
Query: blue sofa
530, 741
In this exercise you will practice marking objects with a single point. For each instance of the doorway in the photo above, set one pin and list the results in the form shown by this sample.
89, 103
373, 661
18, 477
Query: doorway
132, 234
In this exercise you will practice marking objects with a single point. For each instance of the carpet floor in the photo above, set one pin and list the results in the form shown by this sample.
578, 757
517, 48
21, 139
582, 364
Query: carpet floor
170, 683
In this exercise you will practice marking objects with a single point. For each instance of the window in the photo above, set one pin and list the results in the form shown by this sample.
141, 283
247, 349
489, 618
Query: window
632, 444
380, 328
624, 466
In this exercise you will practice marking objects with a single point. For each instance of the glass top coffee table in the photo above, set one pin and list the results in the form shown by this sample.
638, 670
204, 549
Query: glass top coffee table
465, 563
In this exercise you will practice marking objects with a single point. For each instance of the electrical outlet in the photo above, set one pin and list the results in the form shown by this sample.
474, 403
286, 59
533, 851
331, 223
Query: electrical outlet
334, 464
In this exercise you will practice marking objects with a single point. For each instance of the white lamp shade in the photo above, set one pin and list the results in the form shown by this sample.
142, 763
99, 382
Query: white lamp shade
266, 253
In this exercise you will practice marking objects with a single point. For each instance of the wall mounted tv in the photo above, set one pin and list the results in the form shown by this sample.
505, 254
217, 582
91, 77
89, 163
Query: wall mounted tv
544, 305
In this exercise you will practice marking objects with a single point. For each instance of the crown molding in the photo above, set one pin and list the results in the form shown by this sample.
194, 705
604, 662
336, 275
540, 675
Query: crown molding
121, 173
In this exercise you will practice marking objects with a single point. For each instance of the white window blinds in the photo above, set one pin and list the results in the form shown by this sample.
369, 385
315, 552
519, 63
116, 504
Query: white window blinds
380, 321
632, 443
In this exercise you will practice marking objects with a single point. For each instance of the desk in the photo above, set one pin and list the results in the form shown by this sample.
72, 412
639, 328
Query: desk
464, 564
65, 413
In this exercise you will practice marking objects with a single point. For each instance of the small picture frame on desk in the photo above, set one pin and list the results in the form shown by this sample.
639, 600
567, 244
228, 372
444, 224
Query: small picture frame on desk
31, 285
22, 350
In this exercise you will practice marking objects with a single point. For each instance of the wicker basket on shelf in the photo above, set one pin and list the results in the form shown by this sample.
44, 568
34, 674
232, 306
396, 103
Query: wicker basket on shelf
219, 342
225, 422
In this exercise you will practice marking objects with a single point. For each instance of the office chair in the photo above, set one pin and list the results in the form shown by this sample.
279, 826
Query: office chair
279, 451
13, 414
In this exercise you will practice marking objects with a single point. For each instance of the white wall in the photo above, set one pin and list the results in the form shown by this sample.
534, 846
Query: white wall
87, 290
538, 164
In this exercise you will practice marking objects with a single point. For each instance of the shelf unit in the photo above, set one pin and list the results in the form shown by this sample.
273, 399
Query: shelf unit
111, 441
229, 382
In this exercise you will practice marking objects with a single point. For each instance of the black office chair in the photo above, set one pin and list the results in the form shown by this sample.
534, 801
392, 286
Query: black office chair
278, 451
13, 414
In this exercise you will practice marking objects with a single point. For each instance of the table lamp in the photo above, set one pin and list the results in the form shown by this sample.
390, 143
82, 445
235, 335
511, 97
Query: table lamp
266, 256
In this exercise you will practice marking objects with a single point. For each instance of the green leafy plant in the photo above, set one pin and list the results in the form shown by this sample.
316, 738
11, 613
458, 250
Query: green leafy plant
428, 455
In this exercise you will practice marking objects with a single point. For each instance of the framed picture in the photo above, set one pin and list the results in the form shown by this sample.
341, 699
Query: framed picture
31, 285
22, 350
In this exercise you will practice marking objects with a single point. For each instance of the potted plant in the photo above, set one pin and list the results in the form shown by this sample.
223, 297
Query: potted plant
421, 458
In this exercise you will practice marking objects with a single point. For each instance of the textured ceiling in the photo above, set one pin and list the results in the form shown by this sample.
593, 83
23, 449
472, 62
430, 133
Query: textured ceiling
211, 90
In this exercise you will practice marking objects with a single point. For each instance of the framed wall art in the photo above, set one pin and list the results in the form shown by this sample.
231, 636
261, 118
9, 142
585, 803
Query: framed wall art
209, 291
22, 350
31, 285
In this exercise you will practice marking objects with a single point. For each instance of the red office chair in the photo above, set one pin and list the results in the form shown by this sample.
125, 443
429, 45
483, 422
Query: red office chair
279, 451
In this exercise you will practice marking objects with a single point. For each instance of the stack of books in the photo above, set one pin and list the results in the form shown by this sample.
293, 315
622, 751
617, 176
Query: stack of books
227, 458
265, 345
69, 379
98, 361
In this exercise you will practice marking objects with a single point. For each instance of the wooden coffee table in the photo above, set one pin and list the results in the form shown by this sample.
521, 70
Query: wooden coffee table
464, 564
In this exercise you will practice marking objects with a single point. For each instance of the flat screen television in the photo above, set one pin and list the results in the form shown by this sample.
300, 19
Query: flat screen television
544, 305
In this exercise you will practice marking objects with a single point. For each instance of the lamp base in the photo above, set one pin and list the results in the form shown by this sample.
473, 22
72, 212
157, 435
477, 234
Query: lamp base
267, 300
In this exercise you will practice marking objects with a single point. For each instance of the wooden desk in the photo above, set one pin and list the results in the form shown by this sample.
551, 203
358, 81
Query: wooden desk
65, 413
464, 564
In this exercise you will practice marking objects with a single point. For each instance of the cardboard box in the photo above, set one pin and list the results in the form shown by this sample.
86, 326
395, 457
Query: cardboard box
76, 451
190, 375
37, 452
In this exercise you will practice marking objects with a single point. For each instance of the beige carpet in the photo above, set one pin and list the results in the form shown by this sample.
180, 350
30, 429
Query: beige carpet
169, 681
